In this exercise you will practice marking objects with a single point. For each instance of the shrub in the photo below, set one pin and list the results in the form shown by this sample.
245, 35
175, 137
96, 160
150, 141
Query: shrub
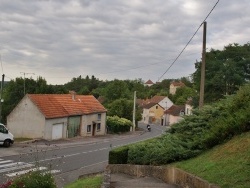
6, 185
116, 124
118, 155
33, 180
211, 125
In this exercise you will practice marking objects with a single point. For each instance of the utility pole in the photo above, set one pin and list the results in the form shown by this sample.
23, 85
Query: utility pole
1, 100
202, 82
134, 111
24, 73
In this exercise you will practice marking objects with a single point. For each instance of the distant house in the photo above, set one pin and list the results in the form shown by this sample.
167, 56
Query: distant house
188, 107
56, 116
152, 113
153, 109
149, 83
164, 101
173, 115
174, 85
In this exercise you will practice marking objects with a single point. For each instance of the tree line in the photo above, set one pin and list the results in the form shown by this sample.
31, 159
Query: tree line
226, 71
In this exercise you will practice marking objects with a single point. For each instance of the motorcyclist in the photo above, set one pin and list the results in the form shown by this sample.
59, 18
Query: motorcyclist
148, 127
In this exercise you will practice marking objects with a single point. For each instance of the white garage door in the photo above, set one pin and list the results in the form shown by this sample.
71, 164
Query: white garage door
57, 131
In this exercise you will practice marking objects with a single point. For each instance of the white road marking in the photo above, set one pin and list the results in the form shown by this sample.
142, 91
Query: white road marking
11, 164
25, 171
19, 166
15, 166
52, 171
7, 161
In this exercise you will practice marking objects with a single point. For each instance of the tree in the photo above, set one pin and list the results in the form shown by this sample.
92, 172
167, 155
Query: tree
123, 108
183, 94
226, 71
117, 89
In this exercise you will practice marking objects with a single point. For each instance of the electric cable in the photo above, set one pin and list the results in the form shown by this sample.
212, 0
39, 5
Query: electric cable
188, 41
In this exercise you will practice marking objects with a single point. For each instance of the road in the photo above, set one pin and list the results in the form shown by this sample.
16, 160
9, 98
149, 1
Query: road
67, 160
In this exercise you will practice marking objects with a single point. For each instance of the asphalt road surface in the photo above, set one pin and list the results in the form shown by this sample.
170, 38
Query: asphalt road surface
67, 159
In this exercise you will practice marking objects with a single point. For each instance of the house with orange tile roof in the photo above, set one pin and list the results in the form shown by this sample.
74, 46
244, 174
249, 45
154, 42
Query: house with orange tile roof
56, 116
174, 86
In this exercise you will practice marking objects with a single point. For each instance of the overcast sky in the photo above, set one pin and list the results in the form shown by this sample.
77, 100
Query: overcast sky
113, 39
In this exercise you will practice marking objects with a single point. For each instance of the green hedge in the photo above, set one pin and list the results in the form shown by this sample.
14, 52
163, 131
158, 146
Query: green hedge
33, 180
117, 125
119, 155
211, 125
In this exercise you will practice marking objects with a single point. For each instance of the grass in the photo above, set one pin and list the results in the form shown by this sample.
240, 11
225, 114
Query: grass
88, 182
227, 165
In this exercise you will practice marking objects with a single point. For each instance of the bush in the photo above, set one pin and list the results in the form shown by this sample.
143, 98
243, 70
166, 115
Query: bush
116, 124
119, 155
211, 125
6, 185
34, 180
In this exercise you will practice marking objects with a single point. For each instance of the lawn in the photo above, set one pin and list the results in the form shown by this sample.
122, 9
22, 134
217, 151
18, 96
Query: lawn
88, 182
227, 165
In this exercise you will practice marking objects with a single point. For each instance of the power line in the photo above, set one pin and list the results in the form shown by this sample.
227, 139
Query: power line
189, 41
142, 66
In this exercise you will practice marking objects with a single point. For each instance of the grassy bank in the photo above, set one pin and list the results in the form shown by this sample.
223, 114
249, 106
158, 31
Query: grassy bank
88, 182
227, 165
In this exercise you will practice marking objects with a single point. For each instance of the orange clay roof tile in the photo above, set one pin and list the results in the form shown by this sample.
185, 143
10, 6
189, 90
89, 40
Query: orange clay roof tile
62, 105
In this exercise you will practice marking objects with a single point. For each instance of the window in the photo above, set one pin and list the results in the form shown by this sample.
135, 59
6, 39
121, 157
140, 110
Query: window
88, 128
2, 129
182, 113
156, 107
98, 126
99, 116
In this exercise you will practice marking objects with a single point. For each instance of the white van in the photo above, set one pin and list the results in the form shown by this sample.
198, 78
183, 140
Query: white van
6, 138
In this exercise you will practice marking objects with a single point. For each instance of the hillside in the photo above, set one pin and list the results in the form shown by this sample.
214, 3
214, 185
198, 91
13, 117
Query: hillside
227, 165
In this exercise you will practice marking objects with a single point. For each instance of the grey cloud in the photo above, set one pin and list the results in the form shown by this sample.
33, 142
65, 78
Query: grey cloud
113, 39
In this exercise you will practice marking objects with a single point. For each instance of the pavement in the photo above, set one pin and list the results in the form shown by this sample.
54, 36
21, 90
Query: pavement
37, 145
117, 180
126, 181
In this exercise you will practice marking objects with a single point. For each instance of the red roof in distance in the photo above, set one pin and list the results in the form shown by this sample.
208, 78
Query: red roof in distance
149, 82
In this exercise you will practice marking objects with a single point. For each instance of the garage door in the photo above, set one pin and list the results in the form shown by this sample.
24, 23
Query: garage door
57, 131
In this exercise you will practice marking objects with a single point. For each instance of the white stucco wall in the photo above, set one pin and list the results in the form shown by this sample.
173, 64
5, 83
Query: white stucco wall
166, 103
174, 119
26, 121
188, 109
172, 89
49, 124
145, 116
89, 119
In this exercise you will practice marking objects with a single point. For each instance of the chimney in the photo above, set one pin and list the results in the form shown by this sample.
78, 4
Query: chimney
73, 94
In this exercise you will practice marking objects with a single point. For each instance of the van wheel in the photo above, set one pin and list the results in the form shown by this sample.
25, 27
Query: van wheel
6, 143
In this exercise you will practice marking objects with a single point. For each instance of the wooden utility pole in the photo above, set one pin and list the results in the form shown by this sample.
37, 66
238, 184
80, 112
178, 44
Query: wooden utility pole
134, 111
1, 98
202, 82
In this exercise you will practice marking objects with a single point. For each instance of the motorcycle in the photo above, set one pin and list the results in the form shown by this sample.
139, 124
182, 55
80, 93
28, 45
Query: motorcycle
149, 128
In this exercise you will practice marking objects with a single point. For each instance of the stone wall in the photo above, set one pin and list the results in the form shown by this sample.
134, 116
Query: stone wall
168, 174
